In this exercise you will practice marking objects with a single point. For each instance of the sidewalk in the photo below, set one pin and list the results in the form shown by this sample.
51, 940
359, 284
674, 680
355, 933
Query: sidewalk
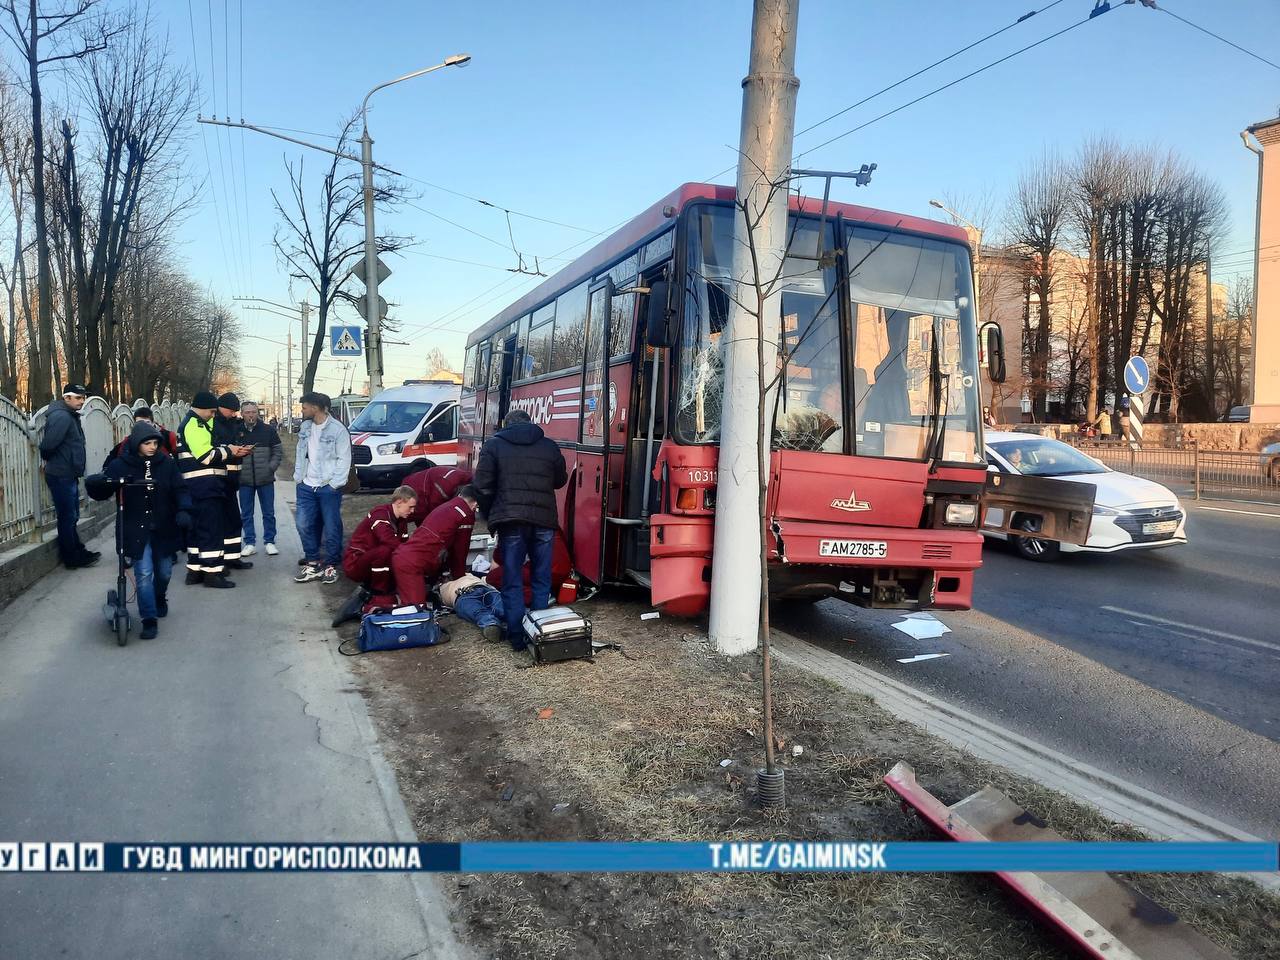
238, 723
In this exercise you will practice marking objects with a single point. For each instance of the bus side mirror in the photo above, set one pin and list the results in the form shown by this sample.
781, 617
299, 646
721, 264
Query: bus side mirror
657, 317
995, 353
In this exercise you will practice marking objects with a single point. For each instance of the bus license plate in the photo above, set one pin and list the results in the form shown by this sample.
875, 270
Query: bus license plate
1164, 526
876, 549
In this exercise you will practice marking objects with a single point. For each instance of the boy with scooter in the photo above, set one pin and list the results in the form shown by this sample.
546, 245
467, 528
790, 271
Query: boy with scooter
155, 510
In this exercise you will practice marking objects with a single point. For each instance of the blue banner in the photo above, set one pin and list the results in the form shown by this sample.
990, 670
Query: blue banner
638, 857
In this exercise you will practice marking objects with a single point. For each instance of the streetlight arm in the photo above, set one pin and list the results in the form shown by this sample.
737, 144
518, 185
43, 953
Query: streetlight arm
455, 61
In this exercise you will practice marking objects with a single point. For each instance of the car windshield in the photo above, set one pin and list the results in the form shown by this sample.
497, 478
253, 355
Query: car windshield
390, 416
1040, 457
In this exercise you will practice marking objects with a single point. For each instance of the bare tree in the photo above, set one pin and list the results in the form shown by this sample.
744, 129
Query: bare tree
1037, 223
320, 245
1191, 214
139, 100
15, 159
1097, 184
39, 39
437, 362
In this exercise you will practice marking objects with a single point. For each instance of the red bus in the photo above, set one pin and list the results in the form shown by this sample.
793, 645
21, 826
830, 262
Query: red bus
877, 468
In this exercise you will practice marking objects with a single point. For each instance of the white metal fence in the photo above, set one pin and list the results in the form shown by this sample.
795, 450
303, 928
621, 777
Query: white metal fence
25, 504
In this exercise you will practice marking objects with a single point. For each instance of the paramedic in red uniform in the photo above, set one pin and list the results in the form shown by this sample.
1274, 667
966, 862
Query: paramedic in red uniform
367, 559
434, 486
437, 547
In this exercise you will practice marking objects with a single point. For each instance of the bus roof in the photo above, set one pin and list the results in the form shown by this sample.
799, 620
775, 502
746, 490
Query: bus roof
670, 206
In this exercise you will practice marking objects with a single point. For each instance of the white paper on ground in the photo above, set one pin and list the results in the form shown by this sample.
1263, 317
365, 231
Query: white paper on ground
923, 656
652, 615
922, 629
922, 615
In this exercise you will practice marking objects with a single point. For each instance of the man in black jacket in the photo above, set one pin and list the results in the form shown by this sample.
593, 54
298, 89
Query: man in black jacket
226, 425
63, 451
517, 477
258, 478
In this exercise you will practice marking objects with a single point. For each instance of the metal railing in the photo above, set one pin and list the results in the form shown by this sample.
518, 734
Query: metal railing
25, 505
1209, 474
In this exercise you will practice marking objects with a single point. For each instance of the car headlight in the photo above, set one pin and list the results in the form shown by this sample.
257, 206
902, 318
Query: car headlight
1101, 511
386, 449
961, 514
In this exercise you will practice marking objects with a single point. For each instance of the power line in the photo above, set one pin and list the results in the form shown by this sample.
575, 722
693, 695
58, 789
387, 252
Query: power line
474, 233
469, 263
491, 205
195, 58
244, 165
1216, 36
949, 85
937, 63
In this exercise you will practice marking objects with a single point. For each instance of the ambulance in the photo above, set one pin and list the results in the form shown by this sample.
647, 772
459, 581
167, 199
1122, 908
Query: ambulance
405, 429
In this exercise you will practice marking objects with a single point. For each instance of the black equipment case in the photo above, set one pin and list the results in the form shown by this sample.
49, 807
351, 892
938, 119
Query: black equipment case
557, 633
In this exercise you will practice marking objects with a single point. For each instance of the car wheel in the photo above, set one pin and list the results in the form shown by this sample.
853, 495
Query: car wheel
1042, 551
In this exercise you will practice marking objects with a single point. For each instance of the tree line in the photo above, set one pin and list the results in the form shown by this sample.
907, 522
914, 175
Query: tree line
94, 124
1115, 243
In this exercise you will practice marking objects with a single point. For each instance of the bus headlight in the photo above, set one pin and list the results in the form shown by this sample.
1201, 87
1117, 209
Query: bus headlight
961, 514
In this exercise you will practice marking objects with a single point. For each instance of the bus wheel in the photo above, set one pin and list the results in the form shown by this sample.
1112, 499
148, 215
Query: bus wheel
1042, 551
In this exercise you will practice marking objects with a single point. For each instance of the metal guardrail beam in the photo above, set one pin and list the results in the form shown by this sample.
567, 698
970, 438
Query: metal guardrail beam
1221, 474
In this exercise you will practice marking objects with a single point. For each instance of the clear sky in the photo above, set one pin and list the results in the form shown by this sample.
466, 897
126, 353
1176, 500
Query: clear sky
587, 112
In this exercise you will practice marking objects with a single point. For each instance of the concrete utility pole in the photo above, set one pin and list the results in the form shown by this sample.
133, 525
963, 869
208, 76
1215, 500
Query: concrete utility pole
288, 379
1210, 372
765, 141
305, 311
372, 315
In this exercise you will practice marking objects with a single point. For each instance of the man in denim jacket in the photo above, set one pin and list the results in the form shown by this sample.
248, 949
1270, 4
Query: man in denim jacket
321, 467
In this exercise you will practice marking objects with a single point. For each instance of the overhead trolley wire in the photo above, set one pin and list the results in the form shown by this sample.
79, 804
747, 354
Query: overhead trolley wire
208, 161
947, 86
1218, 36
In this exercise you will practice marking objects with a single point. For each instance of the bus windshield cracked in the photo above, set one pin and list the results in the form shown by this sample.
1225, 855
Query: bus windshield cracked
901, 371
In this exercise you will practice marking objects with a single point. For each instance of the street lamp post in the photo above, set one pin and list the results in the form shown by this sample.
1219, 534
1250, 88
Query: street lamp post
373, 344
977, 249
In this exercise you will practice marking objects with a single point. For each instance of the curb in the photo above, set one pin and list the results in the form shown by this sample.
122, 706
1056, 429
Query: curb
1117, 798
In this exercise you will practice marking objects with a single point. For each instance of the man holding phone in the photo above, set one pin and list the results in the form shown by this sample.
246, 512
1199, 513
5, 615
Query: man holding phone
258, 478
226, 426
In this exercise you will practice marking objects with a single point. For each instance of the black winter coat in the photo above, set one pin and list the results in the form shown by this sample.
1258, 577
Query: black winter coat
62, 445
150, 510
518, 475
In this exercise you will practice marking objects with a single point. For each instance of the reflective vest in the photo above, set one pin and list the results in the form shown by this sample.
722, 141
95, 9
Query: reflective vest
203, 464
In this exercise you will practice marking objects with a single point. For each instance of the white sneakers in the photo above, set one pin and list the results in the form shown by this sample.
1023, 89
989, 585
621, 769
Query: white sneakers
271, 550
248, 550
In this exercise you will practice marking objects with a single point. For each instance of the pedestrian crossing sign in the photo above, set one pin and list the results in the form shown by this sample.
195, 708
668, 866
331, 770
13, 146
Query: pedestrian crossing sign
346, 341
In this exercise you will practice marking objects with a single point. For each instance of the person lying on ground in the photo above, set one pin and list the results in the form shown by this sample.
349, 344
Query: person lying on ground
476, 602
156, 513
437, 547
367, 559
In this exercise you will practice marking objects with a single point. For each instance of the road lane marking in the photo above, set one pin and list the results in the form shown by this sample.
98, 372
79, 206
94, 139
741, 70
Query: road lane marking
1197, 638
1191, 626
1243, 513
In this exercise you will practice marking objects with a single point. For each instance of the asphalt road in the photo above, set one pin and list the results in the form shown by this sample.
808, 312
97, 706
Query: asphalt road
239, 723
1161, 666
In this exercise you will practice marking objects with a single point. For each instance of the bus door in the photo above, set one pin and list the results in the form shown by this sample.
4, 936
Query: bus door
592, 484
484, 425
646, 430
508, 360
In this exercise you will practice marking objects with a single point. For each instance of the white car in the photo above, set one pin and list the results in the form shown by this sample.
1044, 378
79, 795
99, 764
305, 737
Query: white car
1129, 513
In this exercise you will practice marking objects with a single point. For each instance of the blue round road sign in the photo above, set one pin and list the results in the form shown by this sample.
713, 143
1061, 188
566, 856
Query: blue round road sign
1137, 375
